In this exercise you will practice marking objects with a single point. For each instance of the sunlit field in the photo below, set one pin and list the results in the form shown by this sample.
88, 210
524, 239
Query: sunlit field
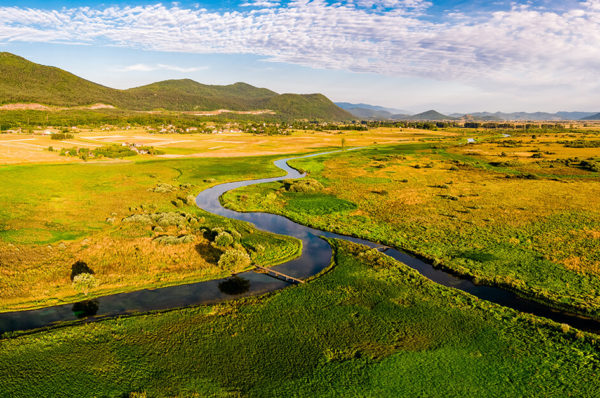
112, 216
491, 210
33, 148
369, 326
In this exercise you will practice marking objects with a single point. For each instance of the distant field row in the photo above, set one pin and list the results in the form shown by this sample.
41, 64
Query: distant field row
26, 148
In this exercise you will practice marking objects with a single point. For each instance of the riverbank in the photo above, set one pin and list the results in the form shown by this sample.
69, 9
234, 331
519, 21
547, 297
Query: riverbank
368, 325
496, 225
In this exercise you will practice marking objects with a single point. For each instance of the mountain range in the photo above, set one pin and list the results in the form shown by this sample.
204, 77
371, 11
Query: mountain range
366, 111
27, 82
540, 116
373, 112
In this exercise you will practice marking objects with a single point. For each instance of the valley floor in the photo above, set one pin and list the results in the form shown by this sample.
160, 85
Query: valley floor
368, 327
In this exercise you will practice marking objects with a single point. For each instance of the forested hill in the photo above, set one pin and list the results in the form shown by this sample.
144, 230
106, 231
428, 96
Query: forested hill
27, 82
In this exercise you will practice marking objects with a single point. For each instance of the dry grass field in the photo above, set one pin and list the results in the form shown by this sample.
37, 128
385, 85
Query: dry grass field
33, 148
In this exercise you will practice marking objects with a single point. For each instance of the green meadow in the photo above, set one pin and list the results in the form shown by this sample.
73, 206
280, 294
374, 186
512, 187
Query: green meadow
109, 215
368, 326
495, 214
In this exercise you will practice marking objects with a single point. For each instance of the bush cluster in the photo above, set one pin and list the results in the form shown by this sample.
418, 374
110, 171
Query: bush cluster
61, 136
174, 240
163, 219
234, 259
163, 188
306, 185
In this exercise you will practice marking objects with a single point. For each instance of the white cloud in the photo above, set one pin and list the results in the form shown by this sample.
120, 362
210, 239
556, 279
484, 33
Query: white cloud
152, 68
260, 4
521, 47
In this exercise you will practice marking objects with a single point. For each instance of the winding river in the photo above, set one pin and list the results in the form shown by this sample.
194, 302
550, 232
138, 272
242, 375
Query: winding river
316, 255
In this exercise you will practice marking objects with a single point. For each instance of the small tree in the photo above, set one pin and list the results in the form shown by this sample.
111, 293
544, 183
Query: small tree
224, 239
234, 259
84, 282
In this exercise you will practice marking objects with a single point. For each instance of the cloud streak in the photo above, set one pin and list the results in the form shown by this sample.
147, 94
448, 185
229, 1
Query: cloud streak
158, 67
522, 46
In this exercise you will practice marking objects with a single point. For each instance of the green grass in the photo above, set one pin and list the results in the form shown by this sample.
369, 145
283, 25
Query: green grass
368, 327
512, 232
56, 215
318, 204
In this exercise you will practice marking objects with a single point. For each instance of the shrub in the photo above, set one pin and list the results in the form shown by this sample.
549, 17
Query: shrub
305, 185
84, 282
224, 239
163, 188
174, 240
61, 136
590, 165
168, 219
114, 151
190, 200
234, 259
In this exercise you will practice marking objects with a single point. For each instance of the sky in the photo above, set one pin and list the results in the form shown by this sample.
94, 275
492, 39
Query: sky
415, 55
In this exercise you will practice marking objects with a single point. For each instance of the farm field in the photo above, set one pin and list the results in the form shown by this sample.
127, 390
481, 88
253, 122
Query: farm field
33, 148
516, 211
369, 326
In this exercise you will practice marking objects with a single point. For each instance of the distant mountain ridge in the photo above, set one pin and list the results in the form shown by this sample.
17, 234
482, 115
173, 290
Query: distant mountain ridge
374, 112
27, 82
592, 117
429, 115
522, 116
349, 105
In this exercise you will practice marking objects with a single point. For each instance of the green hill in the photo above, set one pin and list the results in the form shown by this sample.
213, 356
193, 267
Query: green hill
311, 106
185, 95
25, 81
28, 82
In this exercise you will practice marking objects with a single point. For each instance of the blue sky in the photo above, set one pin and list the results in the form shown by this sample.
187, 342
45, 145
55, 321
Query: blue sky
454, 56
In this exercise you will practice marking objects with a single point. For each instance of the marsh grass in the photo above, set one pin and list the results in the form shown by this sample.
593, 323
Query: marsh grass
537, 236
367, 326
108, 216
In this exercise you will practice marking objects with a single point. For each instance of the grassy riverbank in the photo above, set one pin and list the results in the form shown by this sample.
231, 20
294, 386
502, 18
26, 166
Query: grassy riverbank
496, 214
368, 326
109, 216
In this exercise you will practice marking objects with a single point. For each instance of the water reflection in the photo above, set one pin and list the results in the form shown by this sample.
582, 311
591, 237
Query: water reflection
84, 309
234, 285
